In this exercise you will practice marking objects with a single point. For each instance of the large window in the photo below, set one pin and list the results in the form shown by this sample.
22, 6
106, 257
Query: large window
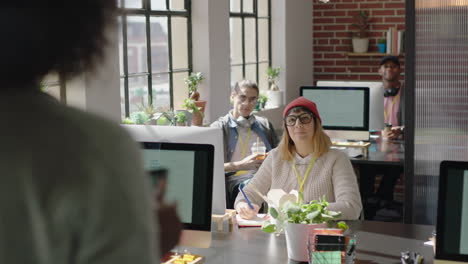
250, 31
155, 54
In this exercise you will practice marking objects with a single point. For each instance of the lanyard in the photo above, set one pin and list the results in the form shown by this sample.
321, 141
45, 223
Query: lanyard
299, 180
244, 144
391, 107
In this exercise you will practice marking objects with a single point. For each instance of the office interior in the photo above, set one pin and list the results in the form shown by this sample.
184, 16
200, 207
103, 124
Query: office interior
308, 39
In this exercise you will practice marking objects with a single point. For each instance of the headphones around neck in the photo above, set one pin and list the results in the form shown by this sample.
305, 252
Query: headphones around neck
391, 92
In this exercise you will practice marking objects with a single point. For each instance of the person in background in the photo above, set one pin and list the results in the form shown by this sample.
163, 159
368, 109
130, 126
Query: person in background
241, 129
303, 161
390, 71
379, 205
72, 187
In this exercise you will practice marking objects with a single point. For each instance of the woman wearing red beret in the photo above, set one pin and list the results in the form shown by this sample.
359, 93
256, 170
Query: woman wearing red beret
303, 161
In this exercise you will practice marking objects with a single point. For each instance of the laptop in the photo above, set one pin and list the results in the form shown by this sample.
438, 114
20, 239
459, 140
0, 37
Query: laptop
452, 214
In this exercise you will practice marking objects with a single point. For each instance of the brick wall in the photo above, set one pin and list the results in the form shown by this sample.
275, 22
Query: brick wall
332, 38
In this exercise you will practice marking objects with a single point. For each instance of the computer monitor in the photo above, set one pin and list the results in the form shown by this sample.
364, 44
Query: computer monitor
452, 213
376, 100
189, 184
344, 110
194, 135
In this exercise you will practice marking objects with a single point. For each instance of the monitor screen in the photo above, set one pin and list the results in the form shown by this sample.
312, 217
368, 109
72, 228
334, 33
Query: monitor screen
341, 108
376, 100
452, 212
189, 178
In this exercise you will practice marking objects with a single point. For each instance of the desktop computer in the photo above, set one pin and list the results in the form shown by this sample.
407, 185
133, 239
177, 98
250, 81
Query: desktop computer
344, 110
452, 214
189, 183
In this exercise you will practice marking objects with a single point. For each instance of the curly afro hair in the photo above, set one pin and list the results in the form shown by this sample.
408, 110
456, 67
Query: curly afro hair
43, 36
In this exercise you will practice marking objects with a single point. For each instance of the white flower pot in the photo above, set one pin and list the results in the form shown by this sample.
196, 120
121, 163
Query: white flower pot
360, 45
275, 99
297, 238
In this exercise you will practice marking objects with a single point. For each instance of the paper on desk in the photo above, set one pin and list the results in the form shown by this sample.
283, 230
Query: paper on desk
256, 222
429, 243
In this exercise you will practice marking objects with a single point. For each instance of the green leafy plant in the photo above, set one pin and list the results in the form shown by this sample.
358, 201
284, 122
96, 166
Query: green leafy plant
272, 74
361, 24
139, 117
194, 79
127, 121
181, 117
190, 105
262, 99
288, 208
382, 41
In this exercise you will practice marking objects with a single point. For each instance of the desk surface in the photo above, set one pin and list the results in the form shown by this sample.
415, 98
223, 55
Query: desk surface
383, 152
377, 242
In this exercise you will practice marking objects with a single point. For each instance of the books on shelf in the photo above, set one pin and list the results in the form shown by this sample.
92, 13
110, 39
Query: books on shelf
395, 41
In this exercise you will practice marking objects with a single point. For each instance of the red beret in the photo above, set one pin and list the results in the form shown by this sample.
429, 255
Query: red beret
302, 101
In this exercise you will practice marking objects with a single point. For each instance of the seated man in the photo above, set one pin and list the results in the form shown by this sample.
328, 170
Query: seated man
240, 130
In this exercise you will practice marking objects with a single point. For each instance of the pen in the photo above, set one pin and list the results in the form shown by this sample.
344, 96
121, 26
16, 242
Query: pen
241, 188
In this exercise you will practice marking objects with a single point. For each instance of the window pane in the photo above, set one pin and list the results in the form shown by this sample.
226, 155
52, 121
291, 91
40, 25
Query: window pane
248, 6
236, 75
180, 90
251, 72
121, 64
235, 26
138, 93
177, 4
161, 98
118, 3
179, 43
133, 4
122, 98
235, 6
158, 4
263, 47
136, 42
159, 44
262, 7
263, 80
250, 40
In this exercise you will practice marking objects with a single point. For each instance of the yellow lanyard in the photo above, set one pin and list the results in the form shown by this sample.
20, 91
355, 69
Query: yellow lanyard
243, 145
304, 178
391, 107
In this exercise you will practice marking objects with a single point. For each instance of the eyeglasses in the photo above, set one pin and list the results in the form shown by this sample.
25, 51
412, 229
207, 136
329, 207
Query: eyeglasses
251, 100
304, 118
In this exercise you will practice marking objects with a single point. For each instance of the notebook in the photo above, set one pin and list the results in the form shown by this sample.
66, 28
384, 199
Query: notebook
256, 222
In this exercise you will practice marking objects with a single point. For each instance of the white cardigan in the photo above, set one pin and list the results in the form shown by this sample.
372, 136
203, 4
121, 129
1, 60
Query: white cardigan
332, 175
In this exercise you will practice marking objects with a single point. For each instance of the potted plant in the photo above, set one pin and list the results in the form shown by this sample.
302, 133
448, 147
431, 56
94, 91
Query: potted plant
297, 219
360, 39
382, 43
181, 118
275, 96
261, 102
193, 104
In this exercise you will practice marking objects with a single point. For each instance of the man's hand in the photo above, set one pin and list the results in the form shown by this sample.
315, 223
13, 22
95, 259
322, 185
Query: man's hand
170, 227
249, 162
245, 211
394, 133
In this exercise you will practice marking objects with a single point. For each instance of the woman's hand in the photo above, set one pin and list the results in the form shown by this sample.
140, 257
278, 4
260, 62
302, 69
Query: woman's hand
245, 211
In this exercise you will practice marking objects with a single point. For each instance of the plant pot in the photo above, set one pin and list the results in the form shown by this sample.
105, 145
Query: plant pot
297, 238
275, 98
197, 117
382, 47
360, 45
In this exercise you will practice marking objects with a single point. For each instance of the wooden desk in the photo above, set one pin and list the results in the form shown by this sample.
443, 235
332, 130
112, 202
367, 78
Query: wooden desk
377, 242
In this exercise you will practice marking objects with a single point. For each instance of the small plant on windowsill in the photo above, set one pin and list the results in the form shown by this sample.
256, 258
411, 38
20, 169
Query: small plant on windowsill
273, 74
261, 102
193, 104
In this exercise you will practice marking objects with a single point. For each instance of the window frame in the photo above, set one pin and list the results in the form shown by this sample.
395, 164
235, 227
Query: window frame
146, 11
242, 15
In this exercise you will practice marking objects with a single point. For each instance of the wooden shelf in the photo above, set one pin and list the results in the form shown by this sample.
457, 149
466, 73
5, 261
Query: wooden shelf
371, 54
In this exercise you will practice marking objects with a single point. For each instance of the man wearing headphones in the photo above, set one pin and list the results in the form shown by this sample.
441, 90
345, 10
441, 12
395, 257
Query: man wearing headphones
380, 205
393, 96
